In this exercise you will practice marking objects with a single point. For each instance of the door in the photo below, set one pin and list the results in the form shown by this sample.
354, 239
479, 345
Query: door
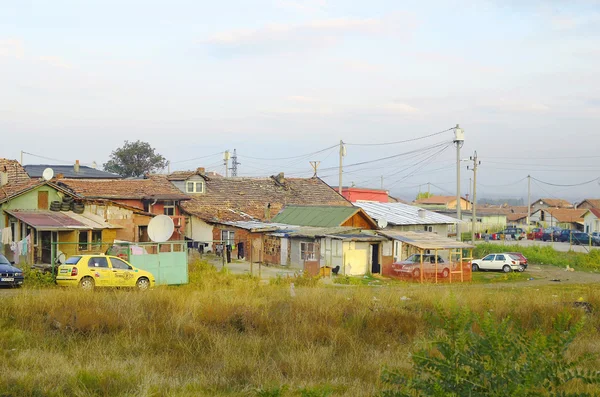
499, 262
100, 271
487, 262
46, 245
123, 274
284, 252
42, 200
375, 265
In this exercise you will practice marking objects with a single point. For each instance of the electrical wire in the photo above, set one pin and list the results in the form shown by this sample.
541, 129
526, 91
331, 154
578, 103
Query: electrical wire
51, 159
572, 185
197, 158
397, 142
508, 184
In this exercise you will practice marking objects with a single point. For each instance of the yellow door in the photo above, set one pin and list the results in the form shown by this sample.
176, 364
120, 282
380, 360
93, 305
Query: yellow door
100, 271
124, 275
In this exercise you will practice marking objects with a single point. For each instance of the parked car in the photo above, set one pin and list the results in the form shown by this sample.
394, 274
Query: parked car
551, 234
535, 234
514, 233
580, 238
10, 276
503, 261
565, 235
520, 257
90, 271
412, 266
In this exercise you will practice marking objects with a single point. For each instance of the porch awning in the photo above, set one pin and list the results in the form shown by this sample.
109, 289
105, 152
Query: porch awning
425, 240
51, 220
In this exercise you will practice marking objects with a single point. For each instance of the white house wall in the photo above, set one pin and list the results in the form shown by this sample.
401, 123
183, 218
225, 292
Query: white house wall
591, 223
198, 230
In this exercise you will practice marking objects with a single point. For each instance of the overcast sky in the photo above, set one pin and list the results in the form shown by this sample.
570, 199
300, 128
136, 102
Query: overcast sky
277, 79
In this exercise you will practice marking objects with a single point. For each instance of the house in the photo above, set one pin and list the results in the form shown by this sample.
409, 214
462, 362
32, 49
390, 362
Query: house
75, 171
216, 199
325, 216
144, 197
549, 203
442, 203
566, 218
25, 211
354, 194
591, 220
517, 219
589, 204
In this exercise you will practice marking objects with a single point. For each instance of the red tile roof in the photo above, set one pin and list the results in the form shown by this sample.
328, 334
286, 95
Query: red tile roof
232, 199
566, 215
555, 203
594, 211
16, 172
515, 217
135, 189
14, 189
595, 203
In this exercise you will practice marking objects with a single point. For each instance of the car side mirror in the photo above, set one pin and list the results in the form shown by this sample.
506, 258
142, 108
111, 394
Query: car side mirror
12, 262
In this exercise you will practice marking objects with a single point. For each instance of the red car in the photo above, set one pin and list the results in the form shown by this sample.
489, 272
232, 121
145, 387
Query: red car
535, 234
521, 258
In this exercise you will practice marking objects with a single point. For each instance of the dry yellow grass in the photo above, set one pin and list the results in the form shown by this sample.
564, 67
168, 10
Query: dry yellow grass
231, 336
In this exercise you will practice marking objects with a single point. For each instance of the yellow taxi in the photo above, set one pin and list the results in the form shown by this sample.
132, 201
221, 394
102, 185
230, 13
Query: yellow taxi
90, 271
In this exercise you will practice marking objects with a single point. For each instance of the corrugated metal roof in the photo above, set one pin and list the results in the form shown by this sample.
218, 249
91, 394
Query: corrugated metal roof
68, 171
316, 216
256, 226
51, 220
403, 214
425, 240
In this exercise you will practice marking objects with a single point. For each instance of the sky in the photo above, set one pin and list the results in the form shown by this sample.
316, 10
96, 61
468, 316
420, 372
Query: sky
283, 81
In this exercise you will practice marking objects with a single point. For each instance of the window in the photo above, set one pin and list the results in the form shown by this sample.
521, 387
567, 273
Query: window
83, 241
500, 257
96, 239
228, 237
98, 261
489, 258
169, 208
307, 252
73, 260
428, 228
119, 264
194, 187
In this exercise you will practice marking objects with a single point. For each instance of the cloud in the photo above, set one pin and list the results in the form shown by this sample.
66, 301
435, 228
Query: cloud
515, 106
398, 107
55, 61
12, 48
278, 37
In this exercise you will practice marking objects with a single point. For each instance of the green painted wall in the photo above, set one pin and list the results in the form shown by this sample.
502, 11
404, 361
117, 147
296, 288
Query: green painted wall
29, 200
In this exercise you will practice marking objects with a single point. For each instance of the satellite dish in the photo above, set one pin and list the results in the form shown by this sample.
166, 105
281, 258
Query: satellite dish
48, 174
382, 223
161, 228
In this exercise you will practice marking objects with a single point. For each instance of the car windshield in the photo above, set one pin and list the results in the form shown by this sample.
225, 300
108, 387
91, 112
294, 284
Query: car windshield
414, 258
3, 260
73, 260
515, 257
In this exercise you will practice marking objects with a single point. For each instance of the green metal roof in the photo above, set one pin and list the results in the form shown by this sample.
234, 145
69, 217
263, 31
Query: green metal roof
315, 215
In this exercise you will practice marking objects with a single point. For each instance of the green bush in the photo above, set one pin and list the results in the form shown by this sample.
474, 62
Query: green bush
482, 356
36, 278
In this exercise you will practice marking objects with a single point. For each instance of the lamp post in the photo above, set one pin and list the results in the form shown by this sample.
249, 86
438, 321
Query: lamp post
459, 141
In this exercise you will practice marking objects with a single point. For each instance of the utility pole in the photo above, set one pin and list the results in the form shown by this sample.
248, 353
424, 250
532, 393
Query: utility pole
474, 205
226, 157
234, 163
428, 189
315, 167
381, 182
342, 154
528, 200
459, 140
21, 157
168, 167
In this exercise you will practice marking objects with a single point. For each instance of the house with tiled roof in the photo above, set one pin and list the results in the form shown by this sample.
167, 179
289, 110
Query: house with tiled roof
442, 203
154, 196
550, 203
588, 204
214, 199
565, 218
591, 220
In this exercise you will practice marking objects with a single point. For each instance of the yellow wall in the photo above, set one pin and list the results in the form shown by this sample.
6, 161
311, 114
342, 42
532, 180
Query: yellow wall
356, 258
464, 205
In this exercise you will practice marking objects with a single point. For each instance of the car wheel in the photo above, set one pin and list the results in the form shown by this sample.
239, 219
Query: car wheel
445, 273
142, 284
475, 267
87, 284
521, 269
506, 269
416, 273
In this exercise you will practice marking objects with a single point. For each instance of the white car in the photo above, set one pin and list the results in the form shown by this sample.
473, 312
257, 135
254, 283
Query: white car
504, 262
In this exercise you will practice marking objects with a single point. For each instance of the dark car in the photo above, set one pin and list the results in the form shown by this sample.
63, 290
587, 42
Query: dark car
10, 276
580, 238
521, 258
551, 234
514, 233
565, 235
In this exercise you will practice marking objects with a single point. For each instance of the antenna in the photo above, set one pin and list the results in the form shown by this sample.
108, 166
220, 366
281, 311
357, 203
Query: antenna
315, 167
48, 174
161, 228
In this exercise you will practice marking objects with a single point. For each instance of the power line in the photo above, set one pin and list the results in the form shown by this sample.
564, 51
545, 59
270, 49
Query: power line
508, 184
196, 158
572, 185
51, 159
404, 141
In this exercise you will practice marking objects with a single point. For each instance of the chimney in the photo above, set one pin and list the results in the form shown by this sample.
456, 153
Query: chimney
76, 167
268, 212
3, 178
421, 213
280, 178
201, 171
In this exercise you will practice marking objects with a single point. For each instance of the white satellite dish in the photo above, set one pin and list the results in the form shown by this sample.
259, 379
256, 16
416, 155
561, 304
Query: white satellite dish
48, 174
160, 228
382, 223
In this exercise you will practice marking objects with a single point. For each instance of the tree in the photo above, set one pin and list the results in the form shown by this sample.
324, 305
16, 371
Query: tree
134, 159
423, 195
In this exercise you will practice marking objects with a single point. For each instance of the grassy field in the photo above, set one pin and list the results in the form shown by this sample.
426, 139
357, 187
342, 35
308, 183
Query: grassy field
228, 335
